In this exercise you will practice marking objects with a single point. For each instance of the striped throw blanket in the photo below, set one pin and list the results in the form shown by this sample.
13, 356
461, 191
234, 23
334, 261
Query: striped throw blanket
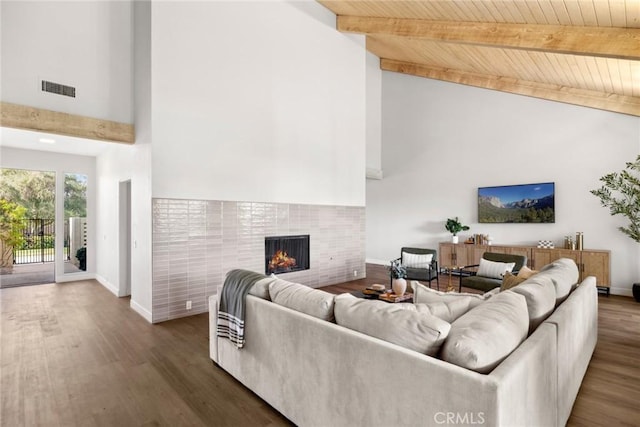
232, 306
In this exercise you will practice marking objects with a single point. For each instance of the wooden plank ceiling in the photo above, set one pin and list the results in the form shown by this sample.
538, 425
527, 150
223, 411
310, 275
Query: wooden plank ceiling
583, 52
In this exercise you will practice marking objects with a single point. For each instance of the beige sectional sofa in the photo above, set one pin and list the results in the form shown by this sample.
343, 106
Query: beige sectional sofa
324, 360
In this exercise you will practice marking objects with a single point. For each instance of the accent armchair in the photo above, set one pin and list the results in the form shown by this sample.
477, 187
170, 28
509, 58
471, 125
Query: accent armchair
421, 264
488, 275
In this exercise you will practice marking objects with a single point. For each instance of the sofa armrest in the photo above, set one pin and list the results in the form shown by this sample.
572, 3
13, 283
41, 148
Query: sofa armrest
577, 322
528, 381
213, 323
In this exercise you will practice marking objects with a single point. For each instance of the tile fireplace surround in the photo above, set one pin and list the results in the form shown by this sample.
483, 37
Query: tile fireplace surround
195, 242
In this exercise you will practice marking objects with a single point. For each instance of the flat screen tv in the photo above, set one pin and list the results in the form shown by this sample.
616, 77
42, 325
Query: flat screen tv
526, 203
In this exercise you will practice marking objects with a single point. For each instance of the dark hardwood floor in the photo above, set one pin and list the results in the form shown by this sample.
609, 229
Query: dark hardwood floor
74, 355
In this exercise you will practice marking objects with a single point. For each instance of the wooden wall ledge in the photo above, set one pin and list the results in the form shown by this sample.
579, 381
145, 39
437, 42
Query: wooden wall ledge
38, 119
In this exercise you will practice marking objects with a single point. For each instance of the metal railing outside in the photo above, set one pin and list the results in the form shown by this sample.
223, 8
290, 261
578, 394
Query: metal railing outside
38, 242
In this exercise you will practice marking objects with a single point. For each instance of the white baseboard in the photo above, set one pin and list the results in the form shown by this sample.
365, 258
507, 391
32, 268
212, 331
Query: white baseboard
75, 277
626, 292
141, 311
377, 261
110, 286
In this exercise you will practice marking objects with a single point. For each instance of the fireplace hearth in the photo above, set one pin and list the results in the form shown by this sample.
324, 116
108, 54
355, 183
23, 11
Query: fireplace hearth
285, 254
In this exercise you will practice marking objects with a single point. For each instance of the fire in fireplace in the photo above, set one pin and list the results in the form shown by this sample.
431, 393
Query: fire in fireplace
284, 254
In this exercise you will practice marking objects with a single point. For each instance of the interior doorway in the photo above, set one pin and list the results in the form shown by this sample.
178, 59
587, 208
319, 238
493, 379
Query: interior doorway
124, 219
27, 229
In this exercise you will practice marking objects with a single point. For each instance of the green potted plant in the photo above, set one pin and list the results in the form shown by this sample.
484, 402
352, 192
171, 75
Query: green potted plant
621, 194
454, 226
81, 255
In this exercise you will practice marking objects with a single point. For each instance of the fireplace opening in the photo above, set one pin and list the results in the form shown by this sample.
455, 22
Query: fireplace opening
284, 254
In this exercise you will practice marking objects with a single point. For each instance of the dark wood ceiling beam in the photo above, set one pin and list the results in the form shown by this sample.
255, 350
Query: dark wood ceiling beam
621, 43
587, 98
41, 120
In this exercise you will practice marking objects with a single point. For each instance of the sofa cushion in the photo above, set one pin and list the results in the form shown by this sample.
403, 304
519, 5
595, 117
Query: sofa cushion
410, 260
400, 324
423, 293
304, 299
564, 275
540, 295
448, 310
493, 269
483, 337
261, 288
447, 306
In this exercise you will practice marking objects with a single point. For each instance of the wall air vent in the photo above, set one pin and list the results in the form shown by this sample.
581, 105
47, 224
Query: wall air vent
58, 88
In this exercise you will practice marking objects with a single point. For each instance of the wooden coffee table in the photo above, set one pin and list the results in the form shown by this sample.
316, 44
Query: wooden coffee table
407, 297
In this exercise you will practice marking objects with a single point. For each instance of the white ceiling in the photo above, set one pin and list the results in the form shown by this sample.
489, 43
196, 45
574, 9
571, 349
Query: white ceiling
30, 140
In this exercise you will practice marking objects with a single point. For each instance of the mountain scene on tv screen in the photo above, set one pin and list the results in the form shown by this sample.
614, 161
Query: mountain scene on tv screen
517, 204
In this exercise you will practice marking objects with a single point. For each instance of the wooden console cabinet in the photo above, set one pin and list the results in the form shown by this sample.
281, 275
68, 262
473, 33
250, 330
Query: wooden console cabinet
591, 262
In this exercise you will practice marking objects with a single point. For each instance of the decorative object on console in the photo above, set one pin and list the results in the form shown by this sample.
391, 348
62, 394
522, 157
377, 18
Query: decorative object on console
454, 226
569, 243
517, 203
546, 244
579, 240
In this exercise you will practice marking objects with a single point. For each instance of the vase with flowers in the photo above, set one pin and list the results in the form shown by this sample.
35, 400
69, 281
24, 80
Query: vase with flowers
398, 273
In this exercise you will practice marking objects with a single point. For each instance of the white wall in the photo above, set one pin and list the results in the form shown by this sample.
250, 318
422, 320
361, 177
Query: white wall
121, 163
85, 44
113, 166
374, 115
61, 164
257, 101
141, 261
441, 141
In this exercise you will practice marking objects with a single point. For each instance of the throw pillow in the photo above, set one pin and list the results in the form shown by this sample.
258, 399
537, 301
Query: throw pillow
304, 299
483, 337
416, 260
399, 323
493, 269
525, 272
509, 280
